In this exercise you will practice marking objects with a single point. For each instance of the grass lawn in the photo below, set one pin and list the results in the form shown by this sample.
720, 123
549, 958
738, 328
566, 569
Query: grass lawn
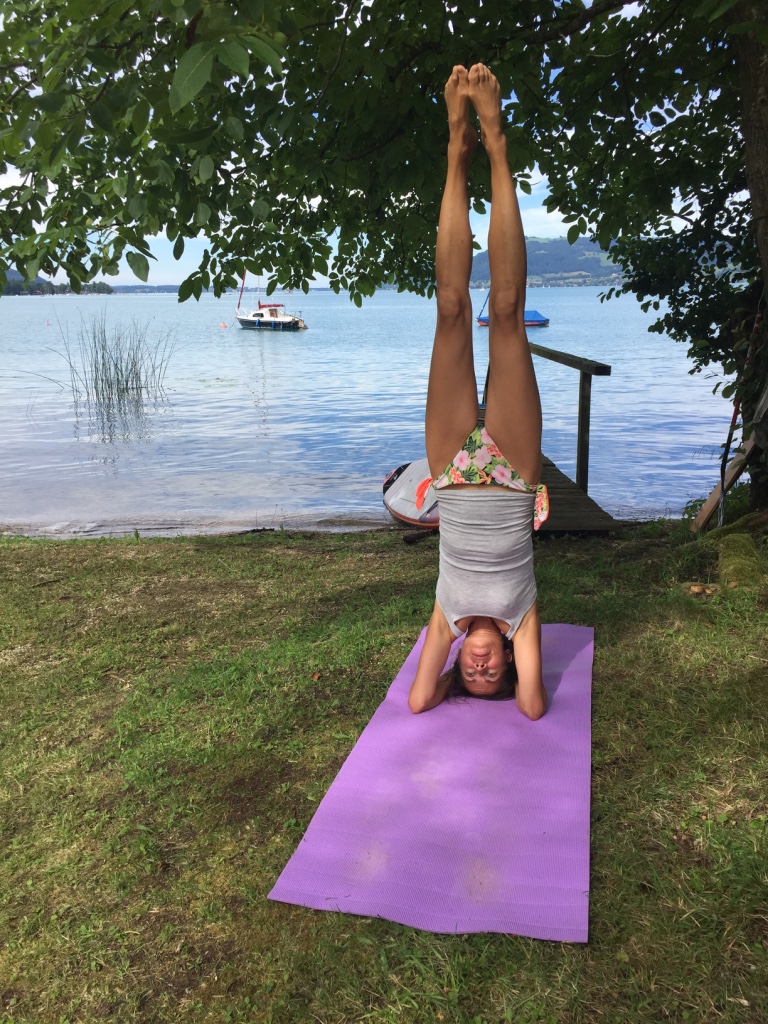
171, 712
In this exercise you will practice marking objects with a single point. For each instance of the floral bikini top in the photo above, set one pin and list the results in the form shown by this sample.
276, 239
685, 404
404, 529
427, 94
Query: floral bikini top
481, 462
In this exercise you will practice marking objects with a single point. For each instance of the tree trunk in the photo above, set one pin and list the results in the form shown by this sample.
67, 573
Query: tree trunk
752, 60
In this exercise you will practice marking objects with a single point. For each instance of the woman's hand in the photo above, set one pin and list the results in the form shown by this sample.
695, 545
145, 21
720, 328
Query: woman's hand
426, 692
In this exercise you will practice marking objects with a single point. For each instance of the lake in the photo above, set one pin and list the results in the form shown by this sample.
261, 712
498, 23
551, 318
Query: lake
299, 429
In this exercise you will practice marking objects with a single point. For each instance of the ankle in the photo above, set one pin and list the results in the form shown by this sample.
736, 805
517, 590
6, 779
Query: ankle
459, 147
494, 140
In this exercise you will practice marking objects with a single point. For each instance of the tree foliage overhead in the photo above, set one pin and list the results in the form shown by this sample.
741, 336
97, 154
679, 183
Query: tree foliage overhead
272, 126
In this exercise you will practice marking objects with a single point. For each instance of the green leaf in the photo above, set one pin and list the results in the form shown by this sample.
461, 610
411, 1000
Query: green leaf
234, 56
120, 187
202, 214
261, 210
233, 126
185, 289
573, 233
206, 168
51, 101
263, 50
760, 31
719, 10
178, 248
524, 186
192, 74
137, 206
139, 264
140, 117
101, 115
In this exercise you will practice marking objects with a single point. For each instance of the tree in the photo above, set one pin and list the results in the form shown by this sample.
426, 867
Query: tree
660, 144
272, 129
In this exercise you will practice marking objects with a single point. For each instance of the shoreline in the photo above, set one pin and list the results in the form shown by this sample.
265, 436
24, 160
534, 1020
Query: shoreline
316, 526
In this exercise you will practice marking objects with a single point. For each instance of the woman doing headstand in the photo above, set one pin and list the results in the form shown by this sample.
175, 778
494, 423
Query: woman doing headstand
489, 492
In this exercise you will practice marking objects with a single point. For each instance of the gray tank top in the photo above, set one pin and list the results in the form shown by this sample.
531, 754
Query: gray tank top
486, 555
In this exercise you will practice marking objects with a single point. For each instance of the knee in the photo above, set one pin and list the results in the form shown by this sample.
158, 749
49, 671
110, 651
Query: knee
506, 306
453, 305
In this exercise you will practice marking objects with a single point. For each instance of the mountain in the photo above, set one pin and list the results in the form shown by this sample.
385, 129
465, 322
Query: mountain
553, 262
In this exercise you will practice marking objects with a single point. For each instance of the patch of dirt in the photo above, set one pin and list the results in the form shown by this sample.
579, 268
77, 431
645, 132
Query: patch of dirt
172, 970
14, 655
237, 800
248, 796
692, 854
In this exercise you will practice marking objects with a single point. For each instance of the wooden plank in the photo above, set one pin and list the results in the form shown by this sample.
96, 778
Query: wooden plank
571, 510
577, 362
733, 471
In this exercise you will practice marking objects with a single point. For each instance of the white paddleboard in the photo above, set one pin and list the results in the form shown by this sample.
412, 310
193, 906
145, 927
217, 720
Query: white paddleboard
400, 489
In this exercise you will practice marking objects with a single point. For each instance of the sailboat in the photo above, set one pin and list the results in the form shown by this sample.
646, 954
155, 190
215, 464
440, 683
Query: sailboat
533, 318
268, 316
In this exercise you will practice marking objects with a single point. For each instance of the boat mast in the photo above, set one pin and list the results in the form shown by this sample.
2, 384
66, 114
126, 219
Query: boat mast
242, 286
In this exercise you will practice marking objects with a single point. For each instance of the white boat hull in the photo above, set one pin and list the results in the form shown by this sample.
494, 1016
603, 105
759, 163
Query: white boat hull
258, 323
400, 496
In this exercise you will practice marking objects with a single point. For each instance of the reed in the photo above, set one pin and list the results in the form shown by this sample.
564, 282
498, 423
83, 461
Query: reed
116, 370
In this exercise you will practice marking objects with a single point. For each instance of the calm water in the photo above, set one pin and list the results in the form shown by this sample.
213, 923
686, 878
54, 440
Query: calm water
259, 430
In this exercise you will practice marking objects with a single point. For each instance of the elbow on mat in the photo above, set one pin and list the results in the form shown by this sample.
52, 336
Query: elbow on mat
533, 711
417, 706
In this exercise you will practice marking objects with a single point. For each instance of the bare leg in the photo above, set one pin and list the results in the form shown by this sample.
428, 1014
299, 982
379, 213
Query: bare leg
513, 413
452, 393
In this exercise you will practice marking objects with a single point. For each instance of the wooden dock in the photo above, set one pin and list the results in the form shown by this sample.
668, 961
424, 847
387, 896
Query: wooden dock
571, 510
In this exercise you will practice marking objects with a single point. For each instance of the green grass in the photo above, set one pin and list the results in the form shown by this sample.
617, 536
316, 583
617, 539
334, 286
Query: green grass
172, 711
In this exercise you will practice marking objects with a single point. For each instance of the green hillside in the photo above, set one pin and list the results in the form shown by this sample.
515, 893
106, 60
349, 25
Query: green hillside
553, 262
16, 285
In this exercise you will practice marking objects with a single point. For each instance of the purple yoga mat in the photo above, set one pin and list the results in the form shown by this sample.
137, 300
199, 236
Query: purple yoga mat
466, 818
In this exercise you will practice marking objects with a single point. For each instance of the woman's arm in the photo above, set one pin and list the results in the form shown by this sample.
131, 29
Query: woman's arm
426, 692
531, 697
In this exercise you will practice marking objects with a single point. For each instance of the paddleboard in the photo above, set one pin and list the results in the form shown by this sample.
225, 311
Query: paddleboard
400, 488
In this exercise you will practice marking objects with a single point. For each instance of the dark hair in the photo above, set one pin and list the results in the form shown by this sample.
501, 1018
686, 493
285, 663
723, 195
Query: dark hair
457, 688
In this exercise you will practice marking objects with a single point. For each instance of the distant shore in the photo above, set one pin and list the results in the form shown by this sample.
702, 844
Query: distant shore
552, 263
573, 280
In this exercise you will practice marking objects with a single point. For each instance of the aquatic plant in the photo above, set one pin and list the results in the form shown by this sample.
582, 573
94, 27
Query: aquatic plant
116, 369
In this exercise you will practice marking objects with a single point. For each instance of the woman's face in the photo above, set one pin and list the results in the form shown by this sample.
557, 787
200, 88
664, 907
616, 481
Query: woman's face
482, 658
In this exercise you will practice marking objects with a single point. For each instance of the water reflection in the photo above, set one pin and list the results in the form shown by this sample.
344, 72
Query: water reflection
119, 418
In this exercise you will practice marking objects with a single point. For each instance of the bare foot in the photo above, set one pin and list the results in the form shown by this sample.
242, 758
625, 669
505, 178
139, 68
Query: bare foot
457, 101
485, 94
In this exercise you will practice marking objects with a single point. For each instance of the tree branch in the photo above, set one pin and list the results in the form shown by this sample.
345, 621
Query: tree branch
559, 27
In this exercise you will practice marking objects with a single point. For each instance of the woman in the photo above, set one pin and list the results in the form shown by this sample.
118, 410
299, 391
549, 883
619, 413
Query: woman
488, 493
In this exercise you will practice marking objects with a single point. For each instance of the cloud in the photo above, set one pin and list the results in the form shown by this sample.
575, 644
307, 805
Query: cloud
540, 224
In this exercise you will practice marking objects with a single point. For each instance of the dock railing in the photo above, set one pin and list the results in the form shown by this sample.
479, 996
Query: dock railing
588, 369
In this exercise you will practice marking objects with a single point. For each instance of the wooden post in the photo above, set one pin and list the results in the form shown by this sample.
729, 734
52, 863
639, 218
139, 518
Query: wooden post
587, 369
582, 441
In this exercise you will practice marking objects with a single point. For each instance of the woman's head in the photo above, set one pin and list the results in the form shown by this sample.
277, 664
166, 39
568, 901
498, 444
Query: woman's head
485, 665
